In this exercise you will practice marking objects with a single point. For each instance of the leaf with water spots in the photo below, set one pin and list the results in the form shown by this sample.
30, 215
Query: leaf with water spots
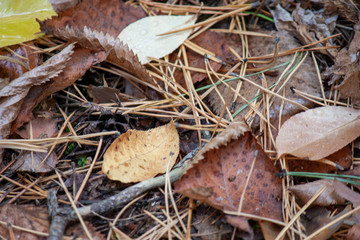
143, 38
319, 132
139, 155
233, 173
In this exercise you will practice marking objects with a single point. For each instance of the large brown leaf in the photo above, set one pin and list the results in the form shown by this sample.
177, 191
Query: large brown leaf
221, 169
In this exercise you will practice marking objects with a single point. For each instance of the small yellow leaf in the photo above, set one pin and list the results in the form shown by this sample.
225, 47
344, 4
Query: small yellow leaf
139, 155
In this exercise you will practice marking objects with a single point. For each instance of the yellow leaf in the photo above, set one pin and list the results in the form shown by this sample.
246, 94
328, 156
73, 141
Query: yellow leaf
18, 20
139, 155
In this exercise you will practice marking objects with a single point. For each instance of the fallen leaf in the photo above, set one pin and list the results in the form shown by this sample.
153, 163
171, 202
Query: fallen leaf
342, 157
319, 132
335, 193
11, 69
104, 94
98, 30
41, 127
12, 95
304, 79
353, 233
26, 216
139, 155
221, 169
346, 67
350, 86
346, 9
306, 25
18, 20
211, 41
36, 218
318, 217
107, 16
82, 59
142, 36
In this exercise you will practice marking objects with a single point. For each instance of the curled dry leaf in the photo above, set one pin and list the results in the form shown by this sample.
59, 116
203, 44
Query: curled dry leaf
13, 94
139, 155
335, 193
143, 38
219, 175
319, 132
81, 60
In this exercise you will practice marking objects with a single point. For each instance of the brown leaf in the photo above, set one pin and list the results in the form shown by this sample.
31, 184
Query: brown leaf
107, 16
37, 219
118, 53
342, 157
346, 9
304, 79
318, 217
12, 95
98, 30
319, 132
346, 67
350, 86
41, 127
82, 59
220, 171
353, 233
26, 216
306, 25
335, 193
139, 155
210, 41
104, 94
11, 70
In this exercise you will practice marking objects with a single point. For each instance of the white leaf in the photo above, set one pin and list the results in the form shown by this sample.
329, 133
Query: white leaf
142, 36
319, 132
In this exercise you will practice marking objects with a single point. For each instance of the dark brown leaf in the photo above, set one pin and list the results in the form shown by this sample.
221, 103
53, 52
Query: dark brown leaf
220, 171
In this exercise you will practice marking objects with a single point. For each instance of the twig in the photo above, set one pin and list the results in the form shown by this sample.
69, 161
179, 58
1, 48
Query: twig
65, 215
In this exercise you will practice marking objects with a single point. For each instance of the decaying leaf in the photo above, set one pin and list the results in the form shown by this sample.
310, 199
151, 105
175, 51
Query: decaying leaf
35, 161
26, 216
139, 155
104, 94
17, 67
36, 218
319, 132
354, 233
221, 169
346, 67
335, 193
97, 30
142, 35
317, 217
13, 94
81, 60
210, 41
